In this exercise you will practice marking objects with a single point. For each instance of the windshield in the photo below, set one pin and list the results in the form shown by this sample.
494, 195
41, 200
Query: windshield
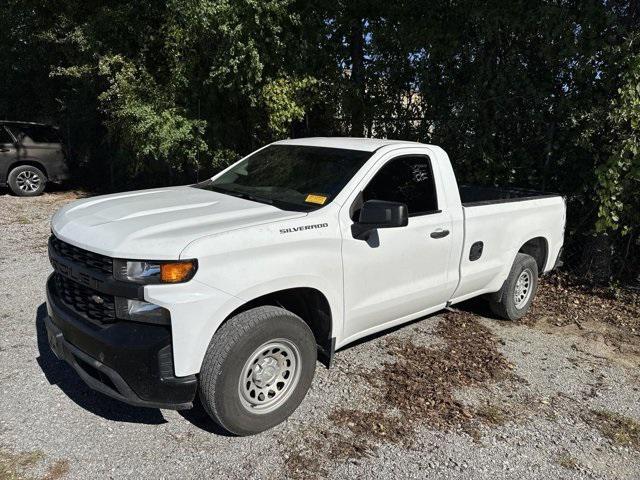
291, 177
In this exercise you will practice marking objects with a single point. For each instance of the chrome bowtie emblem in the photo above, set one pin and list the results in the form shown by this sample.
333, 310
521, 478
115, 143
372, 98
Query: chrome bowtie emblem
97, 299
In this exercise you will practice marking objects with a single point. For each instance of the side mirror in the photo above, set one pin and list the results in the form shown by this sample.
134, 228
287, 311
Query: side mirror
379, 214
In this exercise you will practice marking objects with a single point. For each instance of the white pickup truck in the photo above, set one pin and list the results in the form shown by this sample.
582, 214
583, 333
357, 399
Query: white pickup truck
233, 287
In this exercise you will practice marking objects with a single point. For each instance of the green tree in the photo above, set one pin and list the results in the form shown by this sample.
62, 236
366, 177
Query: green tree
532, 94
619, 175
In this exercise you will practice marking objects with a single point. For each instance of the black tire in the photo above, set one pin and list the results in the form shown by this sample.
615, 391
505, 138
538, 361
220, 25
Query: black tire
226, 400
503, 303
27, 181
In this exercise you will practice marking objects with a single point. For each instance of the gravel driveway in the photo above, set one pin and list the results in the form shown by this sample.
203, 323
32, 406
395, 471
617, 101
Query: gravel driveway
451, 396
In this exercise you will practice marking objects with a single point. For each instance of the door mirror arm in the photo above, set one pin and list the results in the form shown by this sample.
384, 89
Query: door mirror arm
376, 214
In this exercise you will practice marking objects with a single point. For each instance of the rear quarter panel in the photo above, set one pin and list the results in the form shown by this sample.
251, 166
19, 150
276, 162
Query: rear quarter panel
49, 155
504, 228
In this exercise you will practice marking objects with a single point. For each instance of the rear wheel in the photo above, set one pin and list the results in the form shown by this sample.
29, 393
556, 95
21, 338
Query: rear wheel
27, 181
257, 369
513, 300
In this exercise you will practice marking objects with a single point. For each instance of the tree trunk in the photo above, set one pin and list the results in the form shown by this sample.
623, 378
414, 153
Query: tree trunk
357, 78
551, 132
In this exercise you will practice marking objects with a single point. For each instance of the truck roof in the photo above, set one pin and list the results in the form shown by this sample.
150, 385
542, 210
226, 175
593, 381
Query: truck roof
347, 143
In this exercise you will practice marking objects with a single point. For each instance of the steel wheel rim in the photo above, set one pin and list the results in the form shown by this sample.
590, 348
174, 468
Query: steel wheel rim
28, 181
523, 289
269, 376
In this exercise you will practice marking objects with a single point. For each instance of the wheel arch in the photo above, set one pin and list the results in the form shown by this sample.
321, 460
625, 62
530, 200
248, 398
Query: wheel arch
538, 248
310, 304
30, 162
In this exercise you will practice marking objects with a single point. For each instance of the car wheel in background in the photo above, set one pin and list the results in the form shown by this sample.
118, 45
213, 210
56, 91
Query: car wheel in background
27, 181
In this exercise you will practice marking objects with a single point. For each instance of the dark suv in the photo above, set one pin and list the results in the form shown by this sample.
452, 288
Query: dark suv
31, 154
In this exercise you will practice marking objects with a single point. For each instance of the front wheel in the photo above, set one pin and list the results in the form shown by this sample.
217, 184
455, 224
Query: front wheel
257, 369
513, 300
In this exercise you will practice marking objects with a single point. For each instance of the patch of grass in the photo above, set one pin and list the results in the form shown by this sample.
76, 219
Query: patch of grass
58, 470
14, 466
619, 429
492, 414
17, 466
22, 220
567, 461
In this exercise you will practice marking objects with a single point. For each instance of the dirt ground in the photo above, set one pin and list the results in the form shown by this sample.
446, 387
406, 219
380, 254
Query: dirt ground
453, 395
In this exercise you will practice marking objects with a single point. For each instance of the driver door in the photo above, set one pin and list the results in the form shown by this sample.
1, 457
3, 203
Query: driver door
397, 272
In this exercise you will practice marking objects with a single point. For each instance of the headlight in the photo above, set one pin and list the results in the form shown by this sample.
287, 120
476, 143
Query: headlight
148, 271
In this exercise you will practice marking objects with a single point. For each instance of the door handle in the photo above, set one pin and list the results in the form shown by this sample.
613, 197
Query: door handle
439, 233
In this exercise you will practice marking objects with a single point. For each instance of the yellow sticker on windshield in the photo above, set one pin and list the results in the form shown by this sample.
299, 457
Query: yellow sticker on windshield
319, 199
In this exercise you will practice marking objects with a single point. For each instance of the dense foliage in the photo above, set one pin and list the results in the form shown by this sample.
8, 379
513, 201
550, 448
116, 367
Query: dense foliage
539, 94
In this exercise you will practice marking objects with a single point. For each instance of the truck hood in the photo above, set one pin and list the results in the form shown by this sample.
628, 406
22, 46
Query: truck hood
157, 224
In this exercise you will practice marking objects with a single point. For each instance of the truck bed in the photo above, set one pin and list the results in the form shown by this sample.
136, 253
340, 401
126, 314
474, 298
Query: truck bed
472, 195
500, 222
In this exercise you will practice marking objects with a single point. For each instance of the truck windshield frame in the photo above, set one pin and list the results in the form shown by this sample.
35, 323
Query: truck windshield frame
290, 177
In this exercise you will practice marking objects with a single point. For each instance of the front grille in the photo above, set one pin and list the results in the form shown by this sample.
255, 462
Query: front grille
96, 307
85, 258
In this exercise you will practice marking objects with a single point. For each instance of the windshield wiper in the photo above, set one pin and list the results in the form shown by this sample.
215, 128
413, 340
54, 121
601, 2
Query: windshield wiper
244, 195
281, 204
248, 196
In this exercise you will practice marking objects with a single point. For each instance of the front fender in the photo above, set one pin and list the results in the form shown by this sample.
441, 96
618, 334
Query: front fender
198, 311
251, 262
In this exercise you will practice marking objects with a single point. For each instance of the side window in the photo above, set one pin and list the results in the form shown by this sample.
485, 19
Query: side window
5, 138
407, 180
35, 134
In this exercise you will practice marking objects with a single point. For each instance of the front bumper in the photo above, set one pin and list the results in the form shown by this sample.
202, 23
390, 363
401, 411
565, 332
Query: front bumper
129, 361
